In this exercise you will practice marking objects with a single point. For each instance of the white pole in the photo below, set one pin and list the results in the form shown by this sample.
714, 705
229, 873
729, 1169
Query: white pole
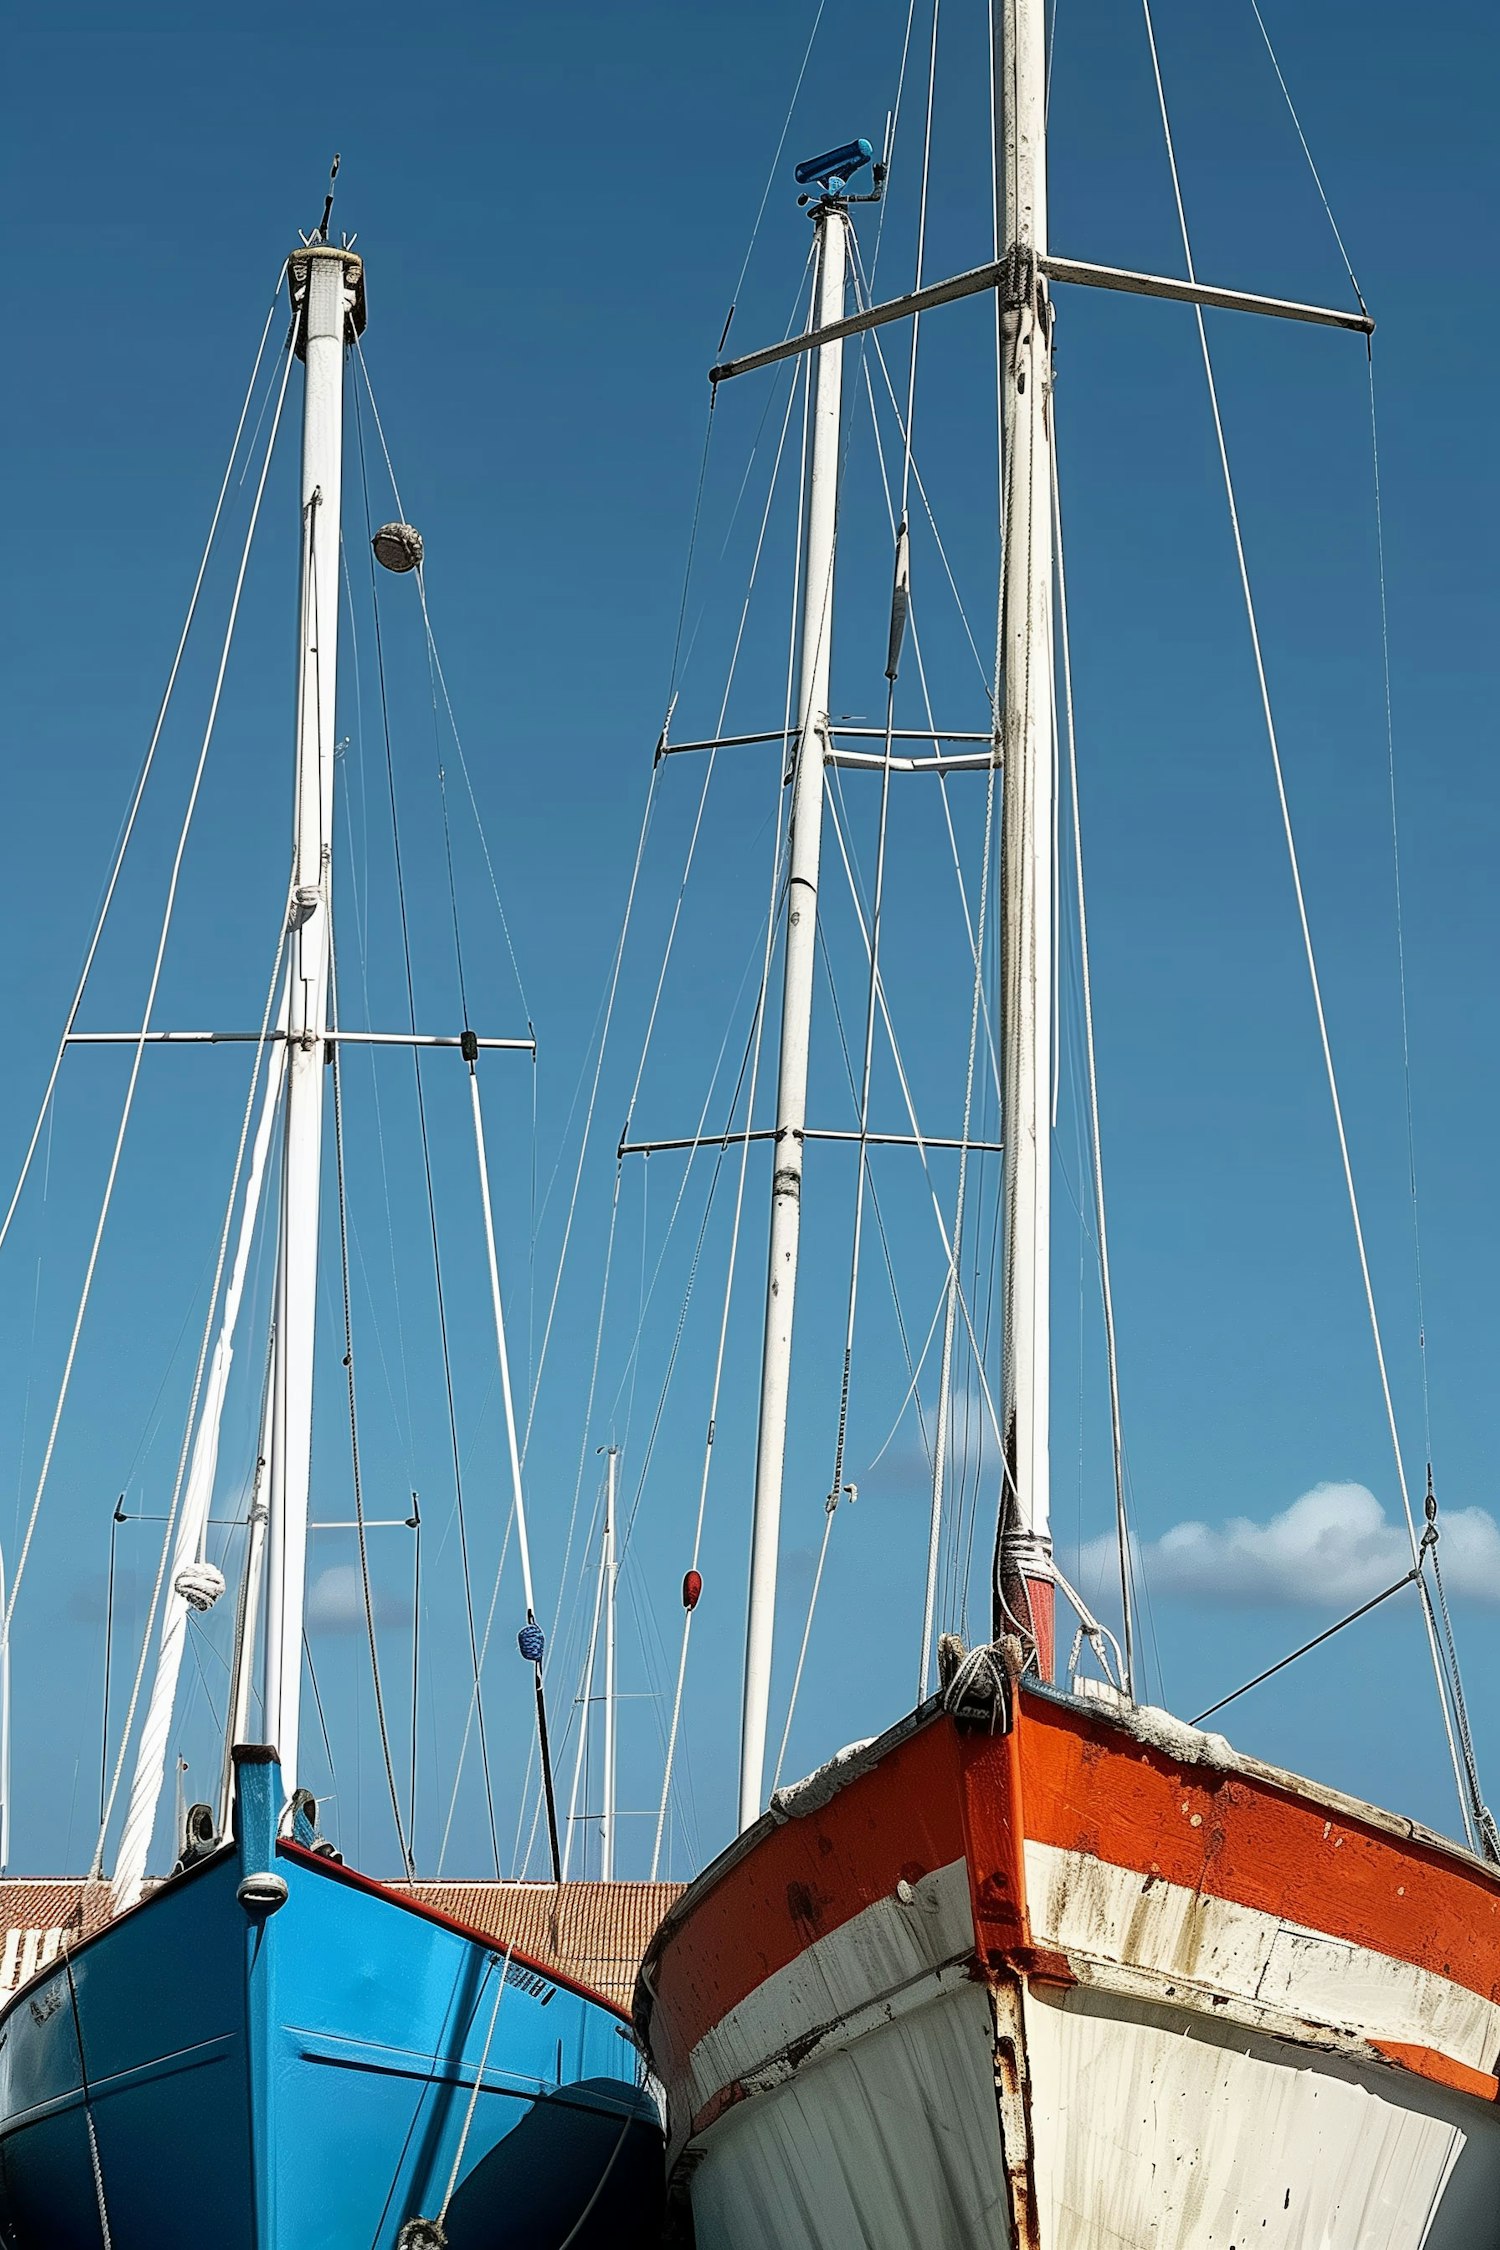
328, 281
797, 994
507, 1396
1023, 1560
4, 1725
238, 1729
151, 1752
611, 1578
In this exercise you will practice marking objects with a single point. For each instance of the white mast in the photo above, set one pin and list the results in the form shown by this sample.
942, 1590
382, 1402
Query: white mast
1023, 1559
611, 1577
832, 225
328, 287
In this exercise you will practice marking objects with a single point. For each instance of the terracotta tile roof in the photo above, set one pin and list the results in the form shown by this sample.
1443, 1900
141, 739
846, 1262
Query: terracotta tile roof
596, 1932
38, 1918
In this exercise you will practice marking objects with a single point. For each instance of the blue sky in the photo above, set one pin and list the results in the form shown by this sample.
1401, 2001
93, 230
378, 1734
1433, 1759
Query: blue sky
555, 207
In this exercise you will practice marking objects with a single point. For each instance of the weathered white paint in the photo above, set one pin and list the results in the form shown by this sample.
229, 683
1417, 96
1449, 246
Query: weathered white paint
1026, 902
1156, 2129
1193, 2103
868, 1970
892, 2144
1207, 1952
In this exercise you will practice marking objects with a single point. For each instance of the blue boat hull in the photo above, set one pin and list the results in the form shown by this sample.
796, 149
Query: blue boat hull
298, 2072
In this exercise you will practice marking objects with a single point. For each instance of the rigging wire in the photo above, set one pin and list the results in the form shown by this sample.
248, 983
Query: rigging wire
437, 1263
1442, 1680
128, 827
916, 318
604, 1295
750, 249
1483, 1818
407, 1859
1106, 1284
439, 682
139, 1046
756, 1050
910, 1107
1317, 176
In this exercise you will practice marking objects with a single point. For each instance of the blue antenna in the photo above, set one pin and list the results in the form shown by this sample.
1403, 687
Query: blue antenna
833, 171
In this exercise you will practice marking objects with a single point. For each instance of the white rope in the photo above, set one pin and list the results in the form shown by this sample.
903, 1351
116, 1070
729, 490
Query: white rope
512, 1438
463, 2138
830, 1513
950, 1306
139, 1049
1106, 1285
1307, 940
151, 1753
95, 2166
128, 829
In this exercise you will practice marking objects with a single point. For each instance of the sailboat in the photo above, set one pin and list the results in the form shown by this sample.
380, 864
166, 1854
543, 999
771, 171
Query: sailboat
268, 2049
1041, 1966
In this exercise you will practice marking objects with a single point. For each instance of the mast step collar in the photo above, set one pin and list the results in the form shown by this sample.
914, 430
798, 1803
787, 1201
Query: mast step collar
298, 267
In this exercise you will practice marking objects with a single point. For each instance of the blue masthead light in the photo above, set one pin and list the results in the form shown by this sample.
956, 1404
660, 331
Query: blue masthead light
832, 170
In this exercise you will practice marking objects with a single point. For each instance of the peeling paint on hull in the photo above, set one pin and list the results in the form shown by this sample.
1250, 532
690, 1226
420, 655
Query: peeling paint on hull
1079, 1984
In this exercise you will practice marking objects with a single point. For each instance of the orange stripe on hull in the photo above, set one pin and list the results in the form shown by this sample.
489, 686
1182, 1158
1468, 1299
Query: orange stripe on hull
803, 1879
1088, 1786
1076, 1778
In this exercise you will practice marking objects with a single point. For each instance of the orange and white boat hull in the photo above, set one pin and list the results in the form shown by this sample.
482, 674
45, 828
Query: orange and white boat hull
1086, 1982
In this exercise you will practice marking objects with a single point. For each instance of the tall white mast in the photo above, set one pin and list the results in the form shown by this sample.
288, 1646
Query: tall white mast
832, 226
611, 1578
328, 287
1023, 1557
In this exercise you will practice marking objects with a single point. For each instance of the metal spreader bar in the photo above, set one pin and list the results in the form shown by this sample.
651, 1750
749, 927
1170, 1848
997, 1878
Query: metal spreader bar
328, 1038
809, 1133
992, 276
665, 749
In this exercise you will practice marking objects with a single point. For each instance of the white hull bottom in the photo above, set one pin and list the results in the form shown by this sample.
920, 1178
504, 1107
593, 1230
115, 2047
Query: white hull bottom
1152, 2129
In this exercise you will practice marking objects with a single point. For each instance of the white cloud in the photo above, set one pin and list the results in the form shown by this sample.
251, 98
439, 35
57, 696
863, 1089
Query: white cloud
336, 1601
1331, 1549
